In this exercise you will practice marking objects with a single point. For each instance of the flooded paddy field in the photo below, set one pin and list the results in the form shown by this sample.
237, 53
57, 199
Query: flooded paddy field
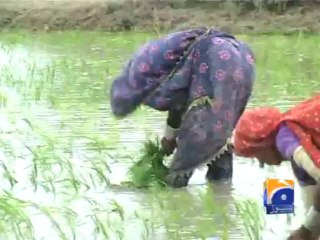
63, 155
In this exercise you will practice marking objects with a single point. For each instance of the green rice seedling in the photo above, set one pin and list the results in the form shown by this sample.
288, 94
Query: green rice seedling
148, 226
14, 221
149, 170
108, 221
76, 184
213, 207
49, 212
8, 175
117, 208
101, 225
170, 209
98, 144
252, 218
100, 228
99, 173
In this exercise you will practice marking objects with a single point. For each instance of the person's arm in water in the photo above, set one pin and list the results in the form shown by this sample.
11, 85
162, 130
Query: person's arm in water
173, 123
312, 221
287, 142
289, 146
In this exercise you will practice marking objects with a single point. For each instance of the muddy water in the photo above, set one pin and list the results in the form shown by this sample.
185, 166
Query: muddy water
67, 154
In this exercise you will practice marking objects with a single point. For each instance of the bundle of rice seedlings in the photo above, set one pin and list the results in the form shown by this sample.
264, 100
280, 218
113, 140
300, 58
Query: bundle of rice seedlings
149, 170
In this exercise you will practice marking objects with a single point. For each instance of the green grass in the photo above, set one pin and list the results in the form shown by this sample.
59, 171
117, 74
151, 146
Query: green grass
59, 146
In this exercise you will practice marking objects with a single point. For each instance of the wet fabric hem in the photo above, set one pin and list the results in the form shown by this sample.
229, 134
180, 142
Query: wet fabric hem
201, 101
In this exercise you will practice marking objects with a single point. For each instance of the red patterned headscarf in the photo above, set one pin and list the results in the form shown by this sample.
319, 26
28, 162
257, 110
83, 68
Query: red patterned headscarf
304, 121
257, 128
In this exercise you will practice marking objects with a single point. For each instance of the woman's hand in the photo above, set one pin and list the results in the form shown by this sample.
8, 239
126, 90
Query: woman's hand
302, 234
168, 145
168, 142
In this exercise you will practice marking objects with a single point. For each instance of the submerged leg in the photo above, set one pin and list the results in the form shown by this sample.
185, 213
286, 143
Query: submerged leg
221, 168
198, 141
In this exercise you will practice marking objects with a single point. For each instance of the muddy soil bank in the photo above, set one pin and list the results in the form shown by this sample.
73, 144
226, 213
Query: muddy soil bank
155, 16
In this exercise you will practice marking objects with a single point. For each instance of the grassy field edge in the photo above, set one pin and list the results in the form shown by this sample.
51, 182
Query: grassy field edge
157, 16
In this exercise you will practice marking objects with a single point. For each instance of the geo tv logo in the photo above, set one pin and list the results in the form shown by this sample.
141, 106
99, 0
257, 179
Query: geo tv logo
278, 196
